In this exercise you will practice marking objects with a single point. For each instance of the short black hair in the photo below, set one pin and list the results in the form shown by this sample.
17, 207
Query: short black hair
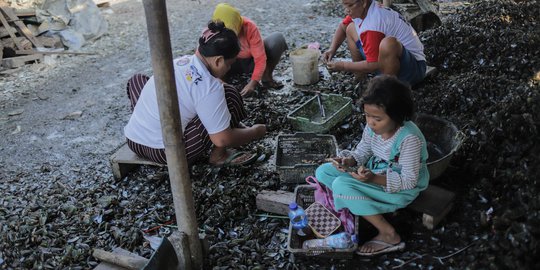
224, 43
391, 94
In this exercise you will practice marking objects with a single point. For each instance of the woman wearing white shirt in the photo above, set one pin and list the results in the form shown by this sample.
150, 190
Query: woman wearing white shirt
210, 110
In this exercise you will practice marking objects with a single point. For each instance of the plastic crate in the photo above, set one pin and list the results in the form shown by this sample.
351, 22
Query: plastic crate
298, 155
308, 116
304, 197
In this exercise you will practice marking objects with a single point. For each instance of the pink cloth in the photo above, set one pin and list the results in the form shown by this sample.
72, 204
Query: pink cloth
325, 197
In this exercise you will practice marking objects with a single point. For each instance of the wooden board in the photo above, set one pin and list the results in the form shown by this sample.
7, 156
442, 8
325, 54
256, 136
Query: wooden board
109, 266
25, 12
124, 161
430, 71
434, 203
21, 27
8, 29
17, 42
4, 32
51, 42
19, 61
276, 202
19, 52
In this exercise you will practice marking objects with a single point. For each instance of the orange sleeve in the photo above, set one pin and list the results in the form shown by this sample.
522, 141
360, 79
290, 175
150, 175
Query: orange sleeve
256, 48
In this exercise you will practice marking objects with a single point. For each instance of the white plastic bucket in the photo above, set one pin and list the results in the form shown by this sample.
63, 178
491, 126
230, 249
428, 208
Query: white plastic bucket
305, 65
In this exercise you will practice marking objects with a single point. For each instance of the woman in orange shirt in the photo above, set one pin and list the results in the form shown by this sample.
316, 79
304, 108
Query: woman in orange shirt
256, 56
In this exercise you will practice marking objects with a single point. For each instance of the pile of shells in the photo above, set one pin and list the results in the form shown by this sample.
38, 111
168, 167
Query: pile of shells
488, 85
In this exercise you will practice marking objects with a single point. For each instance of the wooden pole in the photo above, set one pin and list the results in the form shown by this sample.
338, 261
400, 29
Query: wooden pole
160, 50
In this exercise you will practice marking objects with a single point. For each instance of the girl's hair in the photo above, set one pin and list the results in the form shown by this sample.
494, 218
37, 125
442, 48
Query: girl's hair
218, 40
391, 94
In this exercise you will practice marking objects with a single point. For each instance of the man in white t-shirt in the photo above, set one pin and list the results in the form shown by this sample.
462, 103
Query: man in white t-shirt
381, 41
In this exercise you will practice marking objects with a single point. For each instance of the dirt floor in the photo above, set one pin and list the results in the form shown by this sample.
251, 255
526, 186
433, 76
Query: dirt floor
61, 121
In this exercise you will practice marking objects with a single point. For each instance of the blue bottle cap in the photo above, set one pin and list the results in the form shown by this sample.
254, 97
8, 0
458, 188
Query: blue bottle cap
354, 238
293, 206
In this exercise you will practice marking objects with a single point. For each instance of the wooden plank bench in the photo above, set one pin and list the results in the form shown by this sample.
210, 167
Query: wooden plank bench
124, 161
434, 203
274, 201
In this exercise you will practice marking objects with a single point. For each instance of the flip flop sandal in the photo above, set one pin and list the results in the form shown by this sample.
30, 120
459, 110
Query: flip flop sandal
387, 247
272, 84
239, 158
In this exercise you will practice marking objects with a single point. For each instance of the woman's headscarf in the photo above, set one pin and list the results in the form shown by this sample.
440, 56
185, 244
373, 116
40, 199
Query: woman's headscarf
228, 15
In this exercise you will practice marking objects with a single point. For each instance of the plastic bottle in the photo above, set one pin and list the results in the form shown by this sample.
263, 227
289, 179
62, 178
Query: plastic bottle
339, 240
298, 218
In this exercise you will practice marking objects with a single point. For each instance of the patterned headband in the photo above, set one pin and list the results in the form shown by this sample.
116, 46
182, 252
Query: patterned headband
207, 34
